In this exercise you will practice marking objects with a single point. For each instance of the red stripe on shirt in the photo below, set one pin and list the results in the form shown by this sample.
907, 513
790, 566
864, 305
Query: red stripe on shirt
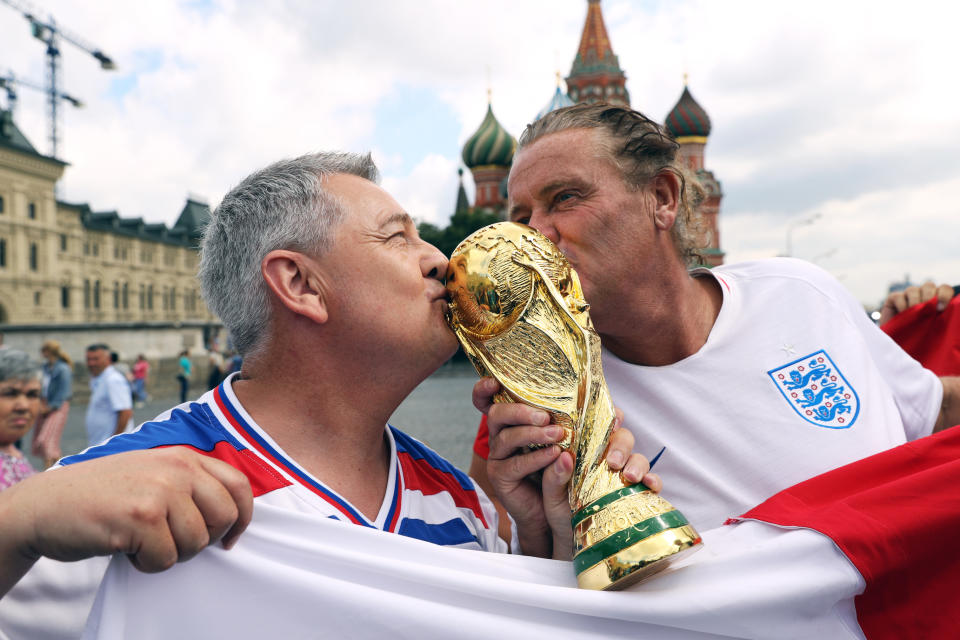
263, 478
420, 476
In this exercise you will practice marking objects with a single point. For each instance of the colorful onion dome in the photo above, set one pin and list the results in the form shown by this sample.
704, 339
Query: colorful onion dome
559, 100
688, 119
490, 145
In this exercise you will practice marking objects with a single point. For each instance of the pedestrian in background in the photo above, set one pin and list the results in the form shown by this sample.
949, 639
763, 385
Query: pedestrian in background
19, 407
217, 369
184, 376
123, 369
141, 368
111, 406
56, 391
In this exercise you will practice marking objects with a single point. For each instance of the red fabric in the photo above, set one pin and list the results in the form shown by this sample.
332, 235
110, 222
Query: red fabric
931, 337
481, 446
896, 515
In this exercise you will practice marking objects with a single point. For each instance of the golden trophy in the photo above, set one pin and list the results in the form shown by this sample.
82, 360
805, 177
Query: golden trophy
518, 310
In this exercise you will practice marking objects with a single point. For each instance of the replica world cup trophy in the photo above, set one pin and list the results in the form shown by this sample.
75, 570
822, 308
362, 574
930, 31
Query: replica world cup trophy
519, 313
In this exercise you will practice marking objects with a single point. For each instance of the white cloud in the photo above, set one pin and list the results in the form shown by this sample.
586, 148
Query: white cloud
848, 108
429, 191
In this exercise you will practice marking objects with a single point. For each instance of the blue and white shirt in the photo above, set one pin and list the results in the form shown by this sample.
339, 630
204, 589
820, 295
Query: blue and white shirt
426, 497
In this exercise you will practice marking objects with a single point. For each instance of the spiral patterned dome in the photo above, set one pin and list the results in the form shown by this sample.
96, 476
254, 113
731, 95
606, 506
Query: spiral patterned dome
688, 119
490, 145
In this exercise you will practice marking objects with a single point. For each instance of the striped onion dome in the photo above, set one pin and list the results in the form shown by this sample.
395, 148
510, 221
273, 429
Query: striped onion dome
559, 100
688, 119
490, 145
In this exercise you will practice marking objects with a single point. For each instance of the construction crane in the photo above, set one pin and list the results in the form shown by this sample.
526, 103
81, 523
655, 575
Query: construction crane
10, 83
50, 34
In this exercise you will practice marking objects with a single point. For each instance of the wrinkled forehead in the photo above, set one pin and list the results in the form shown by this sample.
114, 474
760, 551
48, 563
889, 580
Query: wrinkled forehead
365, 204
576, 146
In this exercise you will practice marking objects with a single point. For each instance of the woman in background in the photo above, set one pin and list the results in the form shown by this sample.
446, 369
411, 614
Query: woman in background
57, 387
19, 407
140, 370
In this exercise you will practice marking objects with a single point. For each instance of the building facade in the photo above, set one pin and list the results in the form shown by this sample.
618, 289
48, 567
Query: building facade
66, 265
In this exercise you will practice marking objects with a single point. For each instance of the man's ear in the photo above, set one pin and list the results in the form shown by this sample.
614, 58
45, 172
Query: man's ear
294, 279
665, 187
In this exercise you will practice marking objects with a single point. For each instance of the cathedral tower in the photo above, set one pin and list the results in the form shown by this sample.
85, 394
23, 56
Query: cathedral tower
689, 125
596, 75
488, 154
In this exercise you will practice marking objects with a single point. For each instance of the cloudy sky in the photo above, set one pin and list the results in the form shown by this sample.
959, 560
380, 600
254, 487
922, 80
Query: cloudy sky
836, 124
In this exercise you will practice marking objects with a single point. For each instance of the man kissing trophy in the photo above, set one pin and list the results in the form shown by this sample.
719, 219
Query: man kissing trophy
518, 310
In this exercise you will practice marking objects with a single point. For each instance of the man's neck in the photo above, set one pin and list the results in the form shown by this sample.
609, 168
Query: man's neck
327, 425
672, 328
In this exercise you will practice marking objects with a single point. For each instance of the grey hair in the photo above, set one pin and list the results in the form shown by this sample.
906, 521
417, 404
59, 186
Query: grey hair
283, 206
17, 365
640, 149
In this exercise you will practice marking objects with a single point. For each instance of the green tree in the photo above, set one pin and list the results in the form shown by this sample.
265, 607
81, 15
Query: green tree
462, 224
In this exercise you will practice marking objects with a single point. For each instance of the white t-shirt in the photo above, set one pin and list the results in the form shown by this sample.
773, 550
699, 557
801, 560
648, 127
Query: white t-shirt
794, 380
109, 394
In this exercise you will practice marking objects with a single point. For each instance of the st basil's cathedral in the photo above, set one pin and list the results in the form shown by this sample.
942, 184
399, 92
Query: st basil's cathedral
596, 76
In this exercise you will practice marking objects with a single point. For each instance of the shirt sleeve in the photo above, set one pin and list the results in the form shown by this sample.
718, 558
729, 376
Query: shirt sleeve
119, 392
916, 391
481, 445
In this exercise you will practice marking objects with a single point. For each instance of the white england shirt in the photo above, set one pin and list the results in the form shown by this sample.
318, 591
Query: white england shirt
794, 380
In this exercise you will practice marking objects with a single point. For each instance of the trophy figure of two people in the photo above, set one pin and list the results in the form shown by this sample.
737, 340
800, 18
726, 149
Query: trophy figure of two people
518, 310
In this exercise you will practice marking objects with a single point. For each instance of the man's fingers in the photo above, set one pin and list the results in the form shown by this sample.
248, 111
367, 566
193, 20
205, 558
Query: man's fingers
508, 441
189, 528
228, 513
507, 472
916, 295
894, 304
619, 448
556, 504
912, 296
483, 393
944, 296
555, 480
635, 468
501, 416
652, 481
151, 542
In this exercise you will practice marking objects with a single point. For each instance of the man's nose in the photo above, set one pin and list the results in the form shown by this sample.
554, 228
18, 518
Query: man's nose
434, 263
541, 222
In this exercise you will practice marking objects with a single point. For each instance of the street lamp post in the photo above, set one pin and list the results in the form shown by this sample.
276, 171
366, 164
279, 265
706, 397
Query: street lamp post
799, 223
